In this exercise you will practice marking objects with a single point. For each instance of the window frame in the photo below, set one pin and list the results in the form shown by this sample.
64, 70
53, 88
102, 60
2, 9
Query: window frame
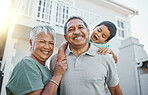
119, 34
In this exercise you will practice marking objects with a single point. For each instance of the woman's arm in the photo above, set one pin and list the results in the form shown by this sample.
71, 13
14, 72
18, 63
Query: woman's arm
51, 87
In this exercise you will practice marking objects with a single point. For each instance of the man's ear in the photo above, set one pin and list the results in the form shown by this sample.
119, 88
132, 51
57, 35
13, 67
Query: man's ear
30, 41
65, 37
88, 31
105, 42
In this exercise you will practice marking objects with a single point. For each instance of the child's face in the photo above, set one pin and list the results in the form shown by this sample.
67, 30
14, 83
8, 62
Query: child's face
100, 34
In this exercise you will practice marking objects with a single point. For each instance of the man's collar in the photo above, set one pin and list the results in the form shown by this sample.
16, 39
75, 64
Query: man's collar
68, 51
91, 51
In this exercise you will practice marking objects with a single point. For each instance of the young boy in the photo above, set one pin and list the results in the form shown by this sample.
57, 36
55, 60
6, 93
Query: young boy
101, 34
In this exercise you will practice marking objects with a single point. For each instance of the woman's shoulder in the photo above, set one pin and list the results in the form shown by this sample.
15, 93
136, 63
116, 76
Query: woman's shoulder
28, 64
26, 61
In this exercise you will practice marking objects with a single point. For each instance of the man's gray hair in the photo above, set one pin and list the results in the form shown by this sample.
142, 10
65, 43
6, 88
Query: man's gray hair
71, 18
42, 28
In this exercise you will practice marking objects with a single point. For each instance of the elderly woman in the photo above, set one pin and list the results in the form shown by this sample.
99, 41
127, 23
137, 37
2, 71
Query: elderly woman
31, 76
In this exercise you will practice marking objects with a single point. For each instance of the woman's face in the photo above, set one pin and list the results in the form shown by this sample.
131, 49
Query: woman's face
42, 47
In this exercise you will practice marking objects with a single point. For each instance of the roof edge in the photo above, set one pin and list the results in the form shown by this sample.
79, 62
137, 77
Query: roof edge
121, 6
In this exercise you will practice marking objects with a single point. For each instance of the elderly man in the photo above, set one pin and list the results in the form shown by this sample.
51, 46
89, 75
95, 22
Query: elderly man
88, 71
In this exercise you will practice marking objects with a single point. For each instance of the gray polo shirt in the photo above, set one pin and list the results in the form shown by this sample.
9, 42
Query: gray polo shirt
87, 73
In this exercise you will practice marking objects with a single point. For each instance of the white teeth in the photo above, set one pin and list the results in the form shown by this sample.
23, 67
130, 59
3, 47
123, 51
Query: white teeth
96, 37
45, 52
77, 38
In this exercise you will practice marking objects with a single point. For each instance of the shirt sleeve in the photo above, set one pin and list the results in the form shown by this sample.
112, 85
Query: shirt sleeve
112, 79
27, 78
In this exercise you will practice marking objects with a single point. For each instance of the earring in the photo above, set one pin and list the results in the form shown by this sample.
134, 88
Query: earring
30, 48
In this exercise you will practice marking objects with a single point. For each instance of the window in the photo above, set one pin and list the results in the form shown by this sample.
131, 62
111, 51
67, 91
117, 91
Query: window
44, 10
61, 13
121, 28
39, 8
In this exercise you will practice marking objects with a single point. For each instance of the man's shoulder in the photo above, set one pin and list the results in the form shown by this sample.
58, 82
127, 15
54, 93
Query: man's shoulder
53, 59
104, 58
107, 56
54, 56
53, 62
94, 49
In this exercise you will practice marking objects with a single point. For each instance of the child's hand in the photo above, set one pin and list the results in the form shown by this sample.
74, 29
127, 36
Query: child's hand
104, 51
107, 50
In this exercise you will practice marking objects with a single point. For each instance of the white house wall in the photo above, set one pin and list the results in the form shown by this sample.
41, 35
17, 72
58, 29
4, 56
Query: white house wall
144, 83
127, 70
130, 79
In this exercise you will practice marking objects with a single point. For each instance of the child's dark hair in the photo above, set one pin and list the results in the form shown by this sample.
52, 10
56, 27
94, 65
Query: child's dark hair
111, 27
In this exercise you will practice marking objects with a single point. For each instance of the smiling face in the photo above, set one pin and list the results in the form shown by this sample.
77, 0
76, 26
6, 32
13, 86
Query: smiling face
100, 34
77, 35
42, 47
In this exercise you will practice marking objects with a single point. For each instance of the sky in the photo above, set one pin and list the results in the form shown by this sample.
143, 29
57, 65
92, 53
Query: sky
4, 9
139, 23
